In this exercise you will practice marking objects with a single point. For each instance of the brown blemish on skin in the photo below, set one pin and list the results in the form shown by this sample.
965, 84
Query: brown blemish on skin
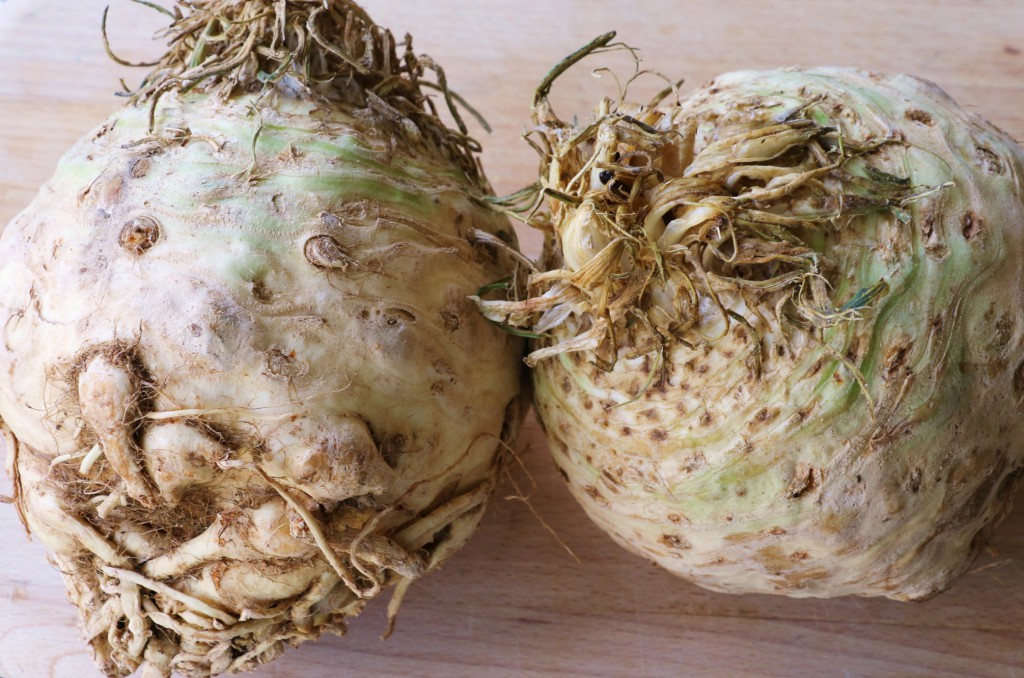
988, 160
853, 353
914, 480
801, 415
674, 542
107, 127
260, 291
896, 357
566, 385
139, 167
595, 494
990, 312
1018, 385
799, 580
937, 251
658, 435
290, 154
773, 558
627, 431
1003, 332
139, 234
393, 448
450, 320
928, 224
611, 482
660, 385
285, 365
331, 220
919, 116
971, 225
804, 480
325, 252
588, 403
694, 462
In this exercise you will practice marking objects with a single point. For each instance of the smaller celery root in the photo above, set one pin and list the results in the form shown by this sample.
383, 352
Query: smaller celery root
779, 329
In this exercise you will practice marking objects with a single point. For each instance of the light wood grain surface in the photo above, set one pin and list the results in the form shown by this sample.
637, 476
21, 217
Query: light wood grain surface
513, 603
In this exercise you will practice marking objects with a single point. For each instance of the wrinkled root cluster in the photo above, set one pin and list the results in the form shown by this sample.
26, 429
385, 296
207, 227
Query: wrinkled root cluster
192, 546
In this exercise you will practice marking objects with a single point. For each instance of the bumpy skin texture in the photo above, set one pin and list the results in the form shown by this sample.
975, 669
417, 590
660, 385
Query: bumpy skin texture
791, 483
271, 348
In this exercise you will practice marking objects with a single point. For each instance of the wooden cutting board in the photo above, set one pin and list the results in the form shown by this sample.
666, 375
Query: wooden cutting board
514, 603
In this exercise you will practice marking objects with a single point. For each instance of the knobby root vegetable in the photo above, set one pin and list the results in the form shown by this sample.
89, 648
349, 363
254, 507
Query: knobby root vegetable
243, 386
780, 328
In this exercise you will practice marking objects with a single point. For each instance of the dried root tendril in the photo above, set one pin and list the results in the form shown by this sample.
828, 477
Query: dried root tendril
13, 448
395, 604
191, 602
649, 226
140, 618
320, 538
524, 497
330, 48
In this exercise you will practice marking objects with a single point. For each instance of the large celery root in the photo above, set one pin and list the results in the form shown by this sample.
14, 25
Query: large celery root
242, 386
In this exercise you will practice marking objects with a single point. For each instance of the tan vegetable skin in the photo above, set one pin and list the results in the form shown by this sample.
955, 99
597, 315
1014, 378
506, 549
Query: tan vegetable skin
804, 375
242, 384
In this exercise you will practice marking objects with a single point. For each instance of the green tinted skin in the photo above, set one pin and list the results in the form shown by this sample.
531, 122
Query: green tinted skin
801, 481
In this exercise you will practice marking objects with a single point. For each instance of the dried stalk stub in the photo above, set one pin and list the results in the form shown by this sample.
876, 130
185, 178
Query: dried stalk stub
244, 388
780, 334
